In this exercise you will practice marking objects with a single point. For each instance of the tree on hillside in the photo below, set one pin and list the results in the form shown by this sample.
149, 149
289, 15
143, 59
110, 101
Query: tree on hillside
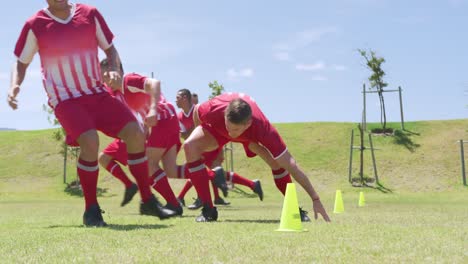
216, 88
374, 63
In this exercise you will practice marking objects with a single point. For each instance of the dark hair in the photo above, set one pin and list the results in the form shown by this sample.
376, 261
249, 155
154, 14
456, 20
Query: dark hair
238, 112
186, 93
105, 64
194, 95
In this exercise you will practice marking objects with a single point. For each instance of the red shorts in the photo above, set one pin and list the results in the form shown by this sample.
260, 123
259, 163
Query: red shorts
165, 134
211, 156
98, 111
117, 149
223, 141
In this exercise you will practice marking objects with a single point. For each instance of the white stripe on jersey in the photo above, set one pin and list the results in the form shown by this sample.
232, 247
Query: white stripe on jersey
102, 41
49, 87
54, 72
79, 73
89, 66
30, 48
65, 62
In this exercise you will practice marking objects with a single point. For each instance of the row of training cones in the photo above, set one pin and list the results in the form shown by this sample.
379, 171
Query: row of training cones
339, 207
291, 217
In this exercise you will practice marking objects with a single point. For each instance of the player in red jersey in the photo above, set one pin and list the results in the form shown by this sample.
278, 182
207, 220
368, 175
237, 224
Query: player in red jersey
67, 37
213, 159
143, 96
236, 117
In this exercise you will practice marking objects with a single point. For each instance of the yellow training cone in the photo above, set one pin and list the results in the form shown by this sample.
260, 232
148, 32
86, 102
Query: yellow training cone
290, 216
362, 200
339, 208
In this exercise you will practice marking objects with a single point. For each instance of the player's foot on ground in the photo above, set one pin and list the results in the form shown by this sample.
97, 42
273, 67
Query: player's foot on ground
258, 189
197, 204
304, 216
93, 217
181, 201
177, 209
153, 207
209, 214
221, 201
129, 193
220, 180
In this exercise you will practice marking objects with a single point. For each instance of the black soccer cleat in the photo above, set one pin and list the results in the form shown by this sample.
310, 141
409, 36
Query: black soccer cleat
304, 216
221, 201
154, 207
177, 209
181, 201
93, 217
220, 180
209, 214
197, 204
258, 189
129, 193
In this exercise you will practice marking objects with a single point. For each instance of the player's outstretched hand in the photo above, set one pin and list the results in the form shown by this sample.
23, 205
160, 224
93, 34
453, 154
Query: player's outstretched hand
319, 209
151, 118
12, 101
115, 80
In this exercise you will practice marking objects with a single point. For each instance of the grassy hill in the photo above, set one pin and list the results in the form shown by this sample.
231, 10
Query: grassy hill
425, 158
423, 219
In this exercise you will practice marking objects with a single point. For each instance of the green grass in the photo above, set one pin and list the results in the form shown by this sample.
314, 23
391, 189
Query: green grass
423, 219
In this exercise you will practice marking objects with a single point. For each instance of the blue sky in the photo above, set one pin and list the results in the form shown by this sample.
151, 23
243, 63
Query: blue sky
298, 59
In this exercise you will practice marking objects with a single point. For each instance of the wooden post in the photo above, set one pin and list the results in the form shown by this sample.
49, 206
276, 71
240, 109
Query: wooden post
462, 156
401, 109
350, 167
373, 159
361, 149
364, 113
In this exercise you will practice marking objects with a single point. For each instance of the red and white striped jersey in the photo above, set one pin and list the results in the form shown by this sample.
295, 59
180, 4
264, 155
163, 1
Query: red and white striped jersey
186, 120
140, 101
68, 51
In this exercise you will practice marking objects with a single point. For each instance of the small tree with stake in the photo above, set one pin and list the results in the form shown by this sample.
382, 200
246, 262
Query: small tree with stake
374, 63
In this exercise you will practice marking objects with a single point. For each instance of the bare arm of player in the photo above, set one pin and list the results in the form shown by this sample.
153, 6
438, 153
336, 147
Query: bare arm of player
287, 162
18, 72
115, 78
196, 118
153, 88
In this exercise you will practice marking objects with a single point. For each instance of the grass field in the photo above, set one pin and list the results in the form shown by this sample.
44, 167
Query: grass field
422, 219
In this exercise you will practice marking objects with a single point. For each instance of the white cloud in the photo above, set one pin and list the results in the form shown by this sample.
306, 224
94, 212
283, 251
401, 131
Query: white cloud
319, 78
235, 75
339, 67
310, 67
304, 38
282, 56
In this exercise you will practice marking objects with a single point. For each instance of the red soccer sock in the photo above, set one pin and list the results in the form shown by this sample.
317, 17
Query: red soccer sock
181, 171
138, 165
185, 189
88, 172
116, 171
215, 190
282, 178
199, 177
237, 179
161, 184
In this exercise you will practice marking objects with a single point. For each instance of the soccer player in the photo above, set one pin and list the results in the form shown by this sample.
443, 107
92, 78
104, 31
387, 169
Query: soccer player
143, 96
213, 159
236, 117
67, 37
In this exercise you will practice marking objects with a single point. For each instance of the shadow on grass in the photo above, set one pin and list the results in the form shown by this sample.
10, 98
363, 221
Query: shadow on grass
379, 187
404, 138
115, 227
257, 221
243, 193
74, 189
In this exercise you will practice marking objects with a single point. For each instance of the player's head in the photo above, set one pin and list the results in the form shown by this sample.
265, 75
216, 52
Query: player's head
56, 5
194, 98
105, 67
183, 98
237, 117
